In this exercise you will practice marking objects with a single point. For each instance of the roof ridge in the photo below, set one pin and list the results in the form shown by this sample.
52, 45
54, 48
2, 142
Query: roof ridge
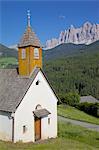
29, 38
34, 72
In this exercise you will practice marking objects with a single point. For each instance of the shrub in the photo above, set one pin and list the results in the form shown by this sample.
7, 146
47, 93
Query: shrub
71, 98
90, 108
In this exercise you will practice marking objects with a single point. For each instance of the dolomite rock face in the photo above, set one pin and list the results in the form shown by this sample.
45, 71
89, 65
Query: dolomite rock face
86, 34
51, 43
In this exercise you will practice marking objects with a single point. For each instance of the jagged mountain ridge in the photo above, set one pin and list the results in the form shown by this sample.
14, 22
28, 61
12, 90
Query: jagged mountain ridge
86, 34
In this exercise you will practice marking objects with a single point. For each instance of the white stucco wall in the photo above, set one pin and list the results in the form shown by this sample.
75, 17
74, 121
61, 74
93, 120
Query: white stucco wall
37, 94
5, 126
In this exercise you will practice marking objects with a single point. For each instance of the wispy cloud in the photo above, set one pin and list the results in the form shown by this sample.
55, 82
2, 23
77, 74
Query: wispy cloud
61, 17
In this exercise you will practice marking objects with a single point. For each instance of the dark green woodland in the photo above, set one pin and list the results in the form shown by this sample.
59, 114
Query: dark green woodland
75, 70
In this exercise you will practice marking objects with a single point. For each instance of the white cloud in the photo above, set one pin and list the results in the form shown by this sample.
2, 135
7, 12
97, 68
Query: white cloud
14, 46
61, 17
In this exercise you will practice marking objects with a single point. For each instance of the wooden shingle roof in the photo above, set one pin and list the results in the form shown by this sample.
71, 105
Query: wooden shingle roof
13, 88
41, 113
29, 39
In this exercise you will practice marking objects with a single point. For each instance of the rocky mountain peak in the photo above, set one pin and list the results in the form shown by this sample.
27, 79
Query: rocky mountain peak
86, 34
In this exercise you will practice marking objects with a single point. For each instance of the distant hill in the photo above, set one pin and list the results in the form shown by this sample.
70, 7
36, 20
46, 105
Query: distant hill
7, 52
65, 50
15, 46
62, 50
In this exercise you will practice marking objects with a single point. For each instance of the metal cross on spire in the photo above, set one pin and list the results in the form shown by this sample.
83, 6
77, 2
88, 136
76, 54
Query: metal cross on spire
28, 14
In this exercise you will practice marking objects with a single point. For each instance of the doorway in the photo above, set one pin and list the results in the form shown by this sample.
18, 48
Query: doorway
37, 128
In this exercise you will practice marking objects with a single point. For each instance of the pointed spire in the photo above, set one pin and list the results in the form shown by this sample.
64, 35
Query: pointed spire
28, 21
29, 37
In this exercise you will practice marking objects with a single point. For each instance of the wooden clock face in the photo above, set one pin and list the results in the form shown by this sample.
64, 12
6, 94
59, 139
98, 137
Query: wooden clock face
36, 53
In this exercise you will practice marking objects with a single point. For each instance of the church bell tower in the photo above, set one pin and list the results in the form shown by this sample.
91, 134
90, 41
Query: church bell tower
29, 51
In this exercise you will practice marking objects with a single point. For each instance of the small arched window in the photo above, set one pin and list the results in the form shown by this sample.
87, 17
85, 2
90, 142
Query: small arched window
38, 107
23, 53
36, 53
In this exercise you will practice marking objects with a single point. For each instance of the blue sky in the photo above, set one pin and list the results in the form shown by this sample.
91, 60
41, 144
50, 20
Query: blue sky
48, 18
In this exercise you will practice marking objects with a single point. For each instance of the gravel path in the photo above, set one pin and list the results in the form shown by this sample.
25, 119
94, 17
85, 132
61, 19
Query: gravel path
83, 124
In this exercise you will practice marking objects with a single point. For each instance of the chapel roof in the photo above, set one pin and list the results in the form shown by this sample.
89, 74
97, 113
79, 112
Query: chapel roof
29, 39
13, 88
41, 113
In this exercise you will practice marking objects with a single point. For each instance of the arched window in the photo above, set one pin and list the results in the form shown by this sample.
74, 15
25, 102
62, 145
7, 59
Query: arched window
23, 53
38, 107
36, 53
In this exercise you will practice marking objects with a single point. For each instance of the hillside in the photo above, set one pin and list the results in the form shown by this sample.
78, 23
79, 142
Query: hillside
77, 72
75, 114
65, 50
8, 62
7, 52
8, 57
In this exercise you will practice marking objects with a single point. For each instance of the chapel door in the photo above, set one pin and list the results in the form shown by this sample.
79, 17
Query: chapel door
37, 128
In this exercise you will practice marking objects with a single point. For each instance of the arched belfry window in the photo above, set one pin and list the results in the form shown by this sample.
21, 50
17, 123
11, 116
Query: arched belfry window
38, 107
23, 53
36, 53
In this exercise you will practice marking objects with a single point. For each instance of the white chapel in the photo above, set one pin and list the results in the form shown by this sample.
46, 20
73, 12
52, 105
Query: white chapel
28, 103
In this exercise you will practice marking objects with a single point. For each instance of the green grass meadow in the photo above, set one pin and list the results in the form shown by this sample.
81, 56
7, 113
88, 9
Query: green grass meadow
70, 137
5, 62
73, 113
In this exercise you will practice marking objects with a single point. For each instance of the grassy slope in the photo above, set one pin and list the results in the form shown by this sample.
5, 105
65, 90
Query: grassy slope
73, 113
80, 134
7, 61
71, 137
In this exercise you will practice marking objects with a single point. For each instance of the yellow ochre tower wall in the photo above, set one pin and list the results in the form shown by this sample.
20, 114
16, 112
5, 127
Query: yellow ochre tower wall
29, 51
27, 65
